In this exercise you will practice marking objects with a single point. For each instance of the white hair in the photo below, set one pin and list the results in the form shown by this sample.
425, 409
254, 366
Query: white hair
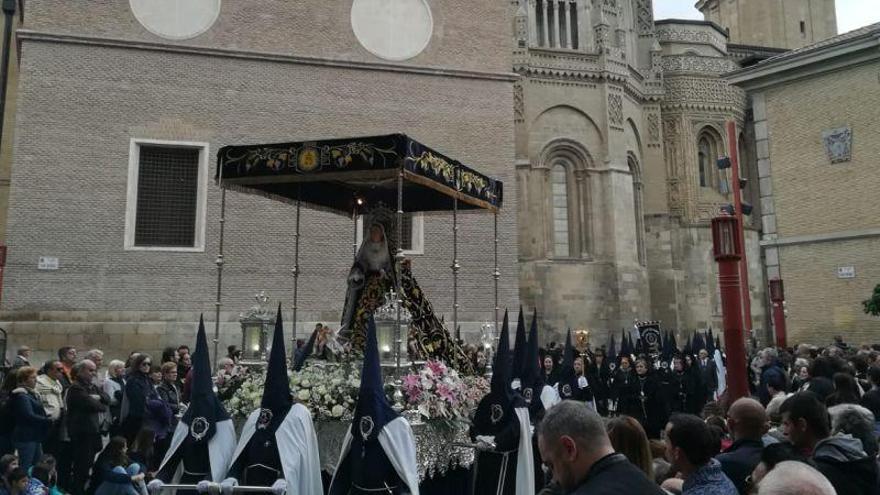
795, 478
115, 365
95, 353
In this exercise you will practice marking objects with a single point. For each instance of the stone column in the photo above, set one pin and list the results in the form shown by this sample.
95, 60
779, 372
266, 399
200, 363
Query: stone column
545, 38
583, 207
554, 24
533, 23
568, 30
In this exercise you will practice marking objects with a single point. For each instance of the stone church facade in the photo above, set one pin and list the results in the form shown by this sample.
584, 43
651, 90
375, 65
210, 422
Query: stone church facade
604, 124
619, 120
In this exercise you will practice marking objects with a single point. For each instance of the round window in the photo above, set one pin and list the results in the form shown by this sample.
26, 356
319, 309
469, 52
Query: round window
392, 29
176, 19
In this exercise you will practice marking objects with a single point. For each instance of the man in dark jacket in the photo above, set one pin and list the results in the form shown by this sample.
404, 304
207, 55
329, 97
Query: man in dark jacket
708, 375
841, 458
747, 421
770, 370
576, 449
84, 403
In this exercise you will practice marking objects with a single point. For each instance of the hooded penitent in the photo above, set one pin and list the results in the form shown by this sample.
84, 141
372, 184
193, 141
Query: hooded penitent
567, 377
278, 440
300, 356
502, 415
204, 440
379, 451
536, 393
519, 351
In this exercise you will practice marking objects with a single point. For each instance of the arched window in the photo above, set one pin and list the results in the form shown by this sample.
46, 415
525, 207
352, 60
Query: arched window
708, 150
638, 209
559, 197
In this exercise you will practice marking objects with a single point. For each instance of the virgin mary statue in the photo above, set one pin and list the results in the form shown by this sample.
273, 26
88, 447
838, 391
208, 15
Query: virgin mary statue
371, 276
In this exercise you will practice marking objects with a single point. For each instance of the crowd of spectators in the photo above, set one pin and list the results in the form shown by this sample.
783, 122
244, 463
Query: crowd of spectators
76, 427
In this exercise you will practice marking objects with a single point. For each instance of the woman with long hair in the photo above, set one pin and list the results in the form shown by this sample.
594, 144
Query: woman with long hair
113, 474
628, 438
138, 387
846, 391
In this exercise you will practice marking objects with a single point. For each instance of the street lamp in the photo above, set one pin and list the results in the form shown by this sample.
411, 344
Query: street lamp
777, 298
726, 247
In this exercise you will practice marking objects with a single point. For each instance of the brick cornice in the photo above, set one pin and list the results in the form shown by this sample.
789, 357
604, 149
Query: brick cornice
28, 35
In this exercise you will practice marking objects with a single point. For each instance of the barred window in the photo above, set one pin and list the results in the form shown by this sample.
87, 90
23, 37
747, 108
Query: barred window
166, 189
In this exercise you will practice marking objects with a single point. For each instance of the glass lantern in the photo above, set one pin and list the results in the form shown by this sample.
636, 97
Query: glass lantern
392, 339
255, 325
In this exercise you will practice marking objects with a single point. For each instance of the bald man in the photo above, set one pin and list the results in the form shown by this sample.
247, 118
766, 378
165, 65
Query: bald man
795, 478
748, 422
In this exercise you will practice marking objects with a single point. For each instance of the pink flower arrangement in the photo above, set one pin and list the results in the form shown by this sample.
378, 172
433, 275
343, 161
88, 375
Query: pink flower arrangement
439, 392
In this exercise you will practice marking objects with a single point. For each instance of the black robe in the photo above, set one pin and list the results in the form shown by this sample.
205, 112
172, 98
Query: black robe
682, 393
496, 470
624, 391
260, 463
651, 413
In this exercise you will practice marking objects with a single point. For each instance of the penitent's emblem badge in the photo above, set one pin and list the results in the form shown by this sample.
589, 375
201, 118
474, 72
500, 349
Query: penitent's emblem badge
527, 395
497, 413
366, 427
566, 390
199, 428
264, 419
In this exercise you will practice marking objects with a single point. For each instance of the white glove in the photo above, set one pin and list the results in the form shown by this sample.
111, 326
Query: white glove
279, 487
203, 486
227, 485
155, 486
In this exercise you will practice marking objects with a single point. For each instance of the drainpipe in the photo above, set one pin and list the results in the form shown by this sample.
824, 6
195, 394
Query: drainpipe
8, 13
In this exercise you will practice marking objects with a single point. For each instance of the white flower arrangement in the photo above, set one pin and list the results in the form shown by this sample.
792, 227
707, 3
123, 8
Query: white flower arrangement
330, 390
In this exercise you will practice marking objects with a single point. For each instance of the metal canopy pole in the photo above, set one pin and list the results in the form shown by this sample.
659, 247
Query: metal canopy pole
219, 263
455, 265
354, 233
398, 264
496, 274
295, 272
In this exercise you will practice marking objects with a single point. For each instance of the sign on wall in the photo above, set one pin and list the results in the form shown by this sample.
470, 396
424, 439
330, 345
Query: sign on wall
846, 272
47, 263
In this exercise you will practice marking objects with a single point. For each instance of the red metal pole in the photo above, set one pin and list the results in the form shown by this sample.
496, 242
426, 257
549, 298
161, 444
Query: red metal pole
728, 279
733, 143
725, 230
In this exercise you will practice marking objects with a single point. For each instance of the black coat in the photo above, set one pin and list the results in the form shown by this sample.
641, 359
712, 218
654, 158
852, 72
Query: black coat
83, 409
615, 475
739, 460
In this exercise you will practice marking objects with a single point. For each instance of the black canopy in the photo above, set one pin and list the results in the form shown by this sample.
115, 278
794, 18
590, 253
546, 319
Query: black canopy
335, 173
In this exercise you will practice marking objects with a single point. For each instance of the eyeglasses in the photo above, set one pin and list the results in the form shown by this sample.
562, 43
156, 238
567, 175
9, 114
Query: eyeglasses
59, 369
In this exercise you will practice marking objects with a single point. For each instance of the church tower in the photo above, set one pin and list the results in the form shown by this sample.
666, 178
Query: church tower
786, 24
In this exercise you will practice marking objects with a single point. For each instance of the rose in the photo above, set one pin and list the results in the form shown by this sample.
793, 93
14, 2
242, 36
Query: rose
337, 411
303, 395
